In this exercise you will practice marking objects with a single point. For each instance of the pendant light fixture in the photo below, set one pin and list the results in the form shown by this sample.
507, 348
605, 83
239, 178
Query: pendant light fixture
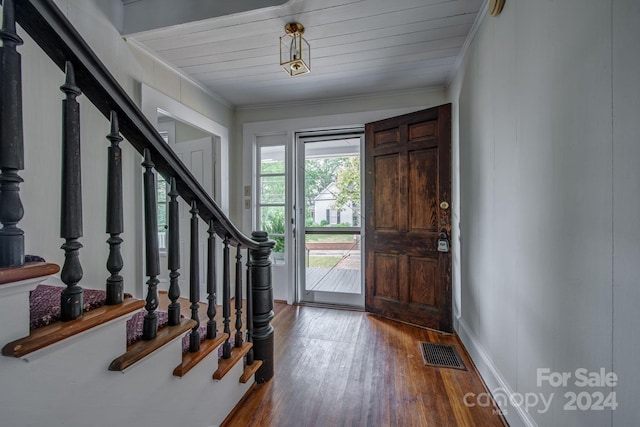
295, 52
495, 7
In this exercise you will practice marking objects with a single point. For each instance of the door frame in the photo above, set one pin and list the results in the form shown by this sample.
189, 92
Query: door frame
208, 145
332, 298
283, 275
153, 100
289, 126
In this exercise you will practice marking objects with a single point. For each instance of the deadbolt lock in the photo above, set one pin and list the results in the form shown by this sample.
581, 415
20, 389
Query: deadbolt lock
444, 205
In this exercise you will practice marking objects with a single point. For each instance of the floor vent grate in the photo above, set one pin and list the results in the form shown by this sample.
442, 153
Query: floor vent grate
440, 355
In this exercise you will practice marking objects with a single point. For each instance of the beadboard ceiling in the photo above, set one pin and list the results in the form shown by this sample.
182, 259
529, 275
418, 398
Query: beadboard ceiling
358, 47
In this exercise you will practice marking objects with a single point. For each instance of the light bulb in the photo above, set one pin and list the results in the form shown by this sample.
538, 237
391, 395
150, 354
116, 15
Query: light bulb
293, 50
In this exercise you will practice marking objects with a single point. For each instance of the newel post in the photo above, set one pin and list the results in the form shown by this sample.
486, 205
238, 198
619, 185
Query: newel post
11, 142
262, 293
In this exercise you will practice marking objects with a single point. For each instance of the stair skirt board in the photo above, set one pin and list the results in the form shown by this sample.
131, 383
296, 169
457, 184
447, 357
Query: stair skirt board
440, 355
141, 393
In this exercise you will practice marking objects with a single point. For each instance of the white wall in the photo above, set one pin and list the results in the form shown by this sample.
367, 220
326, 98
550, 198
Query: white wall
625, 338
546, 107
42, 129
40, 192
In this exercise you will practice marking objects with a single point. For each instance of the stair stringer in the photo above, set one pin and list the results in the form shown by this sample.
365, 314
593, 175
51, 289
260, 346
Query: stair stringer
194, 399
69, 384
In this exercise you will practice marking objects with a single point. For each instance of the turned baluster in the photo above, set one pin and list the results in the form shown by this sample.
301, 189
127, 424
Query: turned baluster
173, 255
150, 325
71, 299
11, 142
238, 337
249, 310
212, 327
114, 214
226, 299
194, 279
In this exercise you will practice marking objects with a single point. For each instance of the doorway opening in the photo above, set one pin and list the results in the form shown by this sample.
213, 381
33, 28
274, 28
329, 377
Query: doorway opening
329, 220
209, 165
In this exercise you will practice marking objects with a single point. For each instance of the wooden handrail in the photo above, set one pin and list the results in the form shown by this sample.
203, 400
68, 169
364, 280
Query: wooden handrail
57, 37
59, 40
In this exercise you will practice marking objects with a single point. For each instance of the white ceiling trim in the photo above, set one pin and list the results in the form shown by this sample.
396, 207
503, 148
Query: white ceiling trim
324, 101
482, 13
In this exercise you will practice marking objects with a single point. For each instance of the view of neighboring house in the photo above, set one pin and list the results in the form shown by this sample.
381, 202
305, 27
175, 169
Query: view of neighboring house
324, 209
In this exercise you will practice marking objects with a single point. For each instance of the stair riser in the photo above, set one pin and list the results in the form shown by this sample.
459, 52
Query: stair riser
14, 321
94, 345
14, 309
234, 390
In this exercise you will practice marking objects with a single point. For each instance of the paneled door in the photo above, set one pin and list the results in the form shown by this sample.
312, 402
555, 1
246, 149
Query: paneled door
408, 218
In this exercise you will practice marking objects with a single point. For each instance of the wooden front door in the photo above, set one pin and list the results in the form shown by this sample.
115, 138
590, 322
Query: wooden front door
408, 198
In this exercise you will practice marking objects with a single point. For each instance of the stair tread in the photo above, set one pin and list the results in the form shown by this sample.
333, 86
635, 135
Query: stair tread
58, 331
250, 370
29, 270
225, 365
140, 349
190, 360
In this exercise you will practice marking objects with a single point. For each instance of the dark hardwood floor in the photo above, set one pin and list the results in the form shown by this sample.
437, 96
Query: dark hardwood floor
347, 368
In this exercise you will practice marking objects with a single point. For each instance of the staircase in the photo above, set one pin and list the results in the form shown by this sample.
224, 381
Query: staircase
79, 370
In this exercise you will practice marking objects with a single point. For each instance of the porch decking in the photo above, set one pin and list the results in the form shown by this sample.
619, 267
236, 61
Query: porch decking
344, 277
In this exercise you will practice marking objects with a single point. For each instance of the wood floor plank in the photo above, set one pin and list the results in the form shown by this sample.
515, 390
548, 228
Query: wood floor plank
345, 368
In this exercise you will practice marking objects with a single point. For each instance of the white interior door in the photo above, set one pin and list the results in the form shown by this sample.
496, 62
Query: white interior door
198, 155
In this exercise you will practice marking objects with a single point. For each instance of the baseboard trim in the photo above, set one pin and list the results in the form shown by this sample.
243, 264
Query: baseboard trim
495, 382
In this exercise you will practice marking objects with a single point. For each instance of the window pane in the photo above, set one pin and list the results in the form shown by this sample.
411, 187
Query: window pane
161, 194
162, 226
272, 189
161, 185
272, 159
162, 216
277, 255
272, 219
